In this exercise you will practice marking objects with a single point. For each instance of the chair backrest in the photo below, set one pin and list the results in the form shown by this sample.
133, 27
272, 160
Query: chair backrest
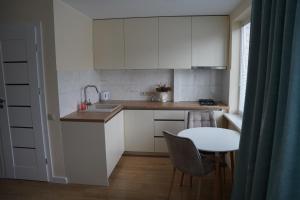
184, 154
201, 118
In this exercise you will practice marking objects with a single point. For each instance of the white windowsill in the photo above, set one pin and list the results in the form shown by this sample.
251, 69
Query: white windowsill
235, 119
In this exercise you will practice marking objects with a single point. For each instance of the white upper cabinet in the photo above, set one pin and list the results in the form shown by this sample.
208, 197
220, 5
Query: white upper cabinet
175, 42
141, 43
108, 44
210, 41
161, 42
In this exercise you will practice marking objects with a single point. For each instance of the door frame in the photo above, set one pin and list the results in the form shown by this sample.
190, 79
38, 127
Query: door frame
46, 136
41, 83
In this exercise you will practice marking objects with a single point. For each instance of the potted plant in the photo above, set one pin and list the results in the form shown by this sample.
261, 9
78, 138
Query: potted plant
162, 90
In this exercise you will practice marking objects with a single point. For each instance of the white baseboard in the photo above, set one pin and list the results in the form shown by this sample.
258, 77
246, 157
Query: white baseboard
59, 179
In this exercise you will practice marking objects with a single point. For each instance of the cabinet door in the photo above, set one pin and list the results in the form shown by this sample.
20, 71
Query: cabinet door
141, 43
169, 114
171, 126
114, 141
160, 145
175, 42
108, 44
210, 41
139, 130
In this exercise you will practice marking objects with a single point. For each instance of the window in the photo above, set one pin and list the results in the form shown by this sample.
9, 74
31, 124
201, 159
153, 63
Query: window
244, 52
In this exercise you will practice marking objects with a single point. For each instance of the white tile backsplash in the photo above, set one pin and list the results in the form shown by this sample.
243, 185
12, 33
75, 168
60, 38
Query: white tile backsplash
70, 88
130, 84
188, 85
191, 85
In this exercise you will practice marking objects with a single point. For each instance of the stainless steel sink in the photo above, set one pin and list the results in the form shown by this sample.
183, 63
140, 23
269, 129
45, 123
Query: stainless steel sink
102, 108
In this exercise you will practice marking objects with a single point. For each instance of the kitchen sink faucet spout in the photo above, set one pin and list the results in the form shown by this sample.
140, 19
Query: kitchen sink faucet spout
85, 96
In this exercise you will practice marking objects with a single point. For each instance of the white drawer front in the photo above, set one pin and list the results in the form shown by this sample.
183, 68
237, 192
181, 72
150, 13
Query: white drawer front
169, 114
160, 145
171, 126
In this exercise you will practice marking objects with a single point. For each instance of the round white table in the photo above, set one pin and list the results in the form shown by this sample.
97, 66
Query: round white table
217, 140
212, 139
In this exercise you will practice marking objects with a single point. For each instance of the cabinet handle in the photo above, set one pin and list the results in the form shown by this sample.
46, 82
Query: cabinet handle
169, 120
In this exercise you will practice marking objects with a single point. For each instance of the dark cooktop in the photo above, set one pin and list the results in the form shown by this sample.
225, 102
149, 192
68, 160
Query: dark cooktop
207, 102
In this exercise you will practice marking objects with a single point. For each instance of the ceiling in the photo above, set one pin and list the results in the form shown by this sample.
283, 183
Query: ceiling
100, 9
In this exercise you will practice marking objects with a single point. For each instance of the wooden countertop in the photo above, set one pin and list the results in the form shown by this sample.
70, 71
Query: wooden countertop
91, 116
153, 105
137, 105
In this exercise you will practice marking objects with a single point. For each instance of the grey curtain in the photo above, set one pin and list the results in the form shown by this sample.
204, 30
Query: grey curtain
268, 165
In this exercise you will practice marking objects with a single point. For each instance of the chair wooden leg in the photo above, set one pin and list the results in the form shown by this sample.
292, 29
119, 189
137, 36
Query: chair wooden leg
181, 179
218, 190
172, 181
191, 181
199, 190
232, 165
224, 169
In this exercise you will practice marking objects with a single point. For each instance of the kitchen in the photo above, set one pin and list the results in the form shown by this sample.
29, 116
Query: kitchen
122, 79
132, 56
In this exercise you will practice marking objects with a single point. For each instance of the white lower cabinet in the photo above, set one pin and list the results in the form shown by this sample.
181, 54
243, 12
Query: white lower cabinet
160, 145
114, 141
171, 126
169, 114
92, 149
144, 128
139, 130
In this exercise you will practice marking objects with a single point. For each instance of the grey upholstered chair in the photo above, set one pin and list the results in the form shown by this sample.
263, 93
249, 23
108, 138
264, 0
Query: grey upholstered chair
201, 118
186, 158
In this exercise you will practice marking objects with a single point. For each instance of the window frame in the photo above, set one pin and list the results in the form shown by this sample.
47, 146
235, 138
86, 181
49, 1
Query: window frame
242, 24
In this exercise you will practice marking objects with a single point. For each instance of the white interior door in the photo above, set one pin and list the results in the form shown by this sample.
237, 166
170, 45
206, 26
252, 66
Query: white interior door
20, 104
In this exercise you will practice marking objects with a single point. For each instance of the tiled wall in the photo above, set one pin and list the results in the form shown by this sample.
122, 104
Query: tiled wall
131, 84
70, 88
188, 85
191, 85
122, 84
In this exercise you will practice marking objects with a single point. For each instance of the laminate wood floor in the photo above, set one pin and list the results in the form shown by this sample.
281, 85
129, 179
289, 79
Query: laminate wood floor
134, 178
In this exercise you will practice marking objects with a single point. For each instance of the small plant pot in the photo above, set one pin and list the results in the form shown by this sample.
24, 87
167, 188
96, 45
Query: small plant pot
163, 96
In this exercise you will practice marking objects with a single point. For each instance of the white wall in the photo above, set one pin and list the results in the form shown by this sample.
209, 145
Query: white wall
73, 38
74, 56
242, 11
15, 11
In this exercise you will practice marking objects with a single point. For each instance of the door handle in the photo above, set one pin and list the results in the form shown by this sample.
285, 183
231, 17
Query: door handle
2, 101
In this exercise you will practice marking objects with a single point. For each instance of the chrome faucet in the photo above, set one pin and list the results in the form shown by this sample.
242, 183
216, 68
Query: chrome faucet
85, 96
